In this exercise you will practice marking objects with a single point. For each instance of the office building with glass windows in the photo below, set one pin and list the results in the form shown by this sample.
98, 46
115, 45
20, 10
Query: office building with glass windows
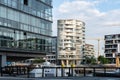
52, 57
25, 29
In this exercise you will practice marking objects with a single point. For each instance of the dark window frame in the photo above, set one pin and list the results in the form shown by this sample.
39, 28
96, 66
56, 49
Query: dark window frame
25, 2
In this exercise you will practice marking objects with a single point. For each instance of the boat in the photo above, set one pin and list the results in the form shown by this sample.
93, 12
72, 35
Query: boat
38, 72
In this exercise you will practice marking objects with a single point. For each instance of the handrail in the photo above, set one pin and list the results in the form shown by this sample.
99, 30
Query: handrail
71, 71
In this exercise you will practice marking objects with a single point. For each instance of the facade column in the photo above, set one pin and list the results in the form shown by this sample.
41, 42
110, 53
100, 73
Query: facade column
62, 63
117, 61
3, 60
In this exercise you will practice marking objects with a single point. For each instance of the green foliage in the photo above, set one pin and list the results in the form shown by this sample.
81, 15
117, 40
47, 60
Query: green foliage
38, 60
103, 60
90, 60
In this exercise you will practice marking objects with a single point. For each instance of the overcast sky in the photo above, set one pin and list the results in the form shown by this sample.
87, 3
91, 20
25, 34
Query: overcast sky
102, 17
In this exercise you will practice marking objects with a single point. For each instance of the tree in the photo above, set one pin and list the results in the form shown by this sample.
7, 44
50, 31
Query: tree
103, 60
90, 60
93, 60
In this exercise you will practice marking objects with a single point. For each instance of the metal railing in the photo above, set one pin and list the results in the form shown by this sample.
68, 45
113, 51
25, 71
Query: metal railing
61, 71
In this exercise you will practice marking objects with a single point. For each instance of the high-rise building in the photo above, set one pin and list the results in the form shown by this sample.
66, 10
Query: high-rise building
25, 28
89, 50
71, 40
52, 57
112, 46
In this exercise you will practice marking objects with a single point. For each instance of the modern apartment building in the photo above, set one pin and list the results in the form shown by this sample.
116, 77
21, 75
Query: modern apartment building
112, 46
89, 50
71, 40
25, 29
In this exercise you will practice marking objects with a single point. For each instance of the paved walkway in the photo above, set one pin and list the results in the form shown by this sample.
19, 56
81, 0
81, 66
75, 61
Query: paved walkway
69, 78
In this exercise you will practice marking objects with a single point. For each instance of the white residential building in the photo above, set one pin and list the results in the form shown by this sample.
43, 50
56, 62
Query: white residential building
71, 40
89, 50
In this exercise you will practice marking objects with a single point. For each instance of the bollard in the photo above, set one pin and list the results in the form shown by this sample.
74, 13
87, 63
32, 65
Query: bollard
56, 72
62, 72
42, 71
84, 71
28, 69
93, 71
1, 71
104, 71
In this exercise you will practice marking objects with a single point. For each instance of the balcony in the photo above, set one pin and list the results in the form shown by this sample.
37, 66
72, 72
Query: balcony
108, 43
111, 48
79, 32
109, 38
68, 45
68, 26
79, 35
68, 38
79, 27
68, 42
70, 31
69, 22
69, 34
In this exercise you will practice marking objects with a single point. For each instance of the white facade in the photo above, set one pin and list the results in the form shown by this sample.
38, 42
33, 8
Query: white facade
118, 48
89, 50
71, 38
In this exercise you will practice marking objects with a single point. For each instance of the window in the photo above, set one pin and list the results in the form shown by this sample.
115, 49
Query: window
25, 2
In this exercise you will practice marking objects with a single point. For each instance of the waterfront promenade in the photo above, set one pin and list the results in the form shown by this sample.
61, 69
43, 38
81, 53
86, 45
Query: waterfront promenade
63, 78
82, 73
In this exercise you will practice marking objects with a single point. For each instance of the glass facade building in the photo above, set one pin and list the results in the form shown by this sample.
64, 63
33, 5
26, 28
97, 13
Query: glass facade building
26, 25
52, 57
